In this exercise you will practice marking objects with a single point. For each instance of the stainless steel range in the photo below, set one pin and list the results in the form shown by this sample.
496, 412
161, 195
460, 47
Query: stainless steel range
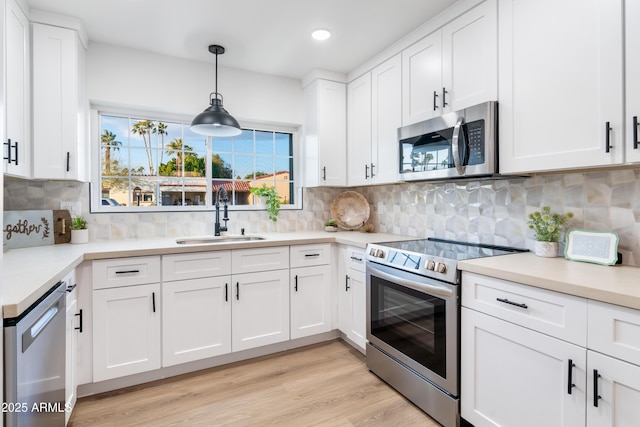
413, 315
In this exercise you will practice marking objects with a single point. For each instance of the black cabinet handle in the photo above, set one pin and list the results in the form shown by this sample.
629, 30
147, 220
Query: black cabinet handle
444, 97
296, 283
16, 159
9, 159
570, 384
311, 255
68, 161
372, 174
238, 291
226, 292
435, 102
366, 171
517, 304
635, 133
128, 272
153, 301
324, 173
346, 283
79, 328
596, 396
355, 258
70, 288
607, 137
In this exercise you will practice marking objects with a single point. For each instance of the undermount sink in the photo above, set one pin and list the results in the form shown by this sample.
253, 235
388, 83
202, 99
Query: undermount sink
217, 239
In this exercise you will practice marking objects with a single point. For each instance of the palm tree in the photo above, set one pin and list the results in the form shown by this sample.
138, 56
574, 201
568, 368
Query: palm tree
144, 129
177, 148
161, 130
108, 141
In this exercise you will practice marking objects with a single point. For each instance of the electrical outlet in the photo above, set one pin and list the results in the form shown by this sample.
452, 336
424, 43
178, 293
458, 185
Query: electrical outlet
74, 208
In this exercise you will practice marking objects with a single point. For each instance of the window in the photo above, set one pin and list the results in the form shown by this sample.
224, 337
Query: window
148, 164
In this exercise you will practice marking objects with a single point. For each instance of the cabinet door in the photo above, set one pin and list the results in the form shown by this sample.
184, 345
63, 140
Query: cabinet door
126, 334
71, 350
513, 376
470, 58
632, 61
386, 118
353, 307
196, 319
422, 79
560, 87
617, 385
18, 92
260, 310
310, 300
359, 130
55, 106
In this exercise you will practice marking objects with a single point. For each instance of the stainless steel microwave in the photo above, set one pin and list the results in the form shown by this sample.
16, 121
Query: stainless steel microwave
455, 145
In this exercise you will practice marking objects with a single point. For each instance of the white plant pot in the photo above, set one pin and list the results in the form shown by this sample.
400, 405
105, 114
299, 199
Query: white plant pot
546, 249
330, 228
80, 236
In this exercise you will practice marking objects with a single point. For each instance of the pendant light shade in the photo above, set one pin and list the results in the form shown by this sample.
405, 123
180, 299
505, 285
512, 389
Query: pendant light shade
215, 120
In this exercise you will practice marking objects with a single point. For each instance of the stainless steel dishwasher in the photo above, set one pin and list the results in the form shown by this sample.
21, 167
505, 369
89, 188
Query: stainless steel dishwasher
34, 363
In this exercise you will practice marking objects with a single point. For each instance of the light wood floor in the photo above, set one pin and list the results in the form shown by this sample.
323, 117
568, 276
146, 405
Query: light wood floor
322, 385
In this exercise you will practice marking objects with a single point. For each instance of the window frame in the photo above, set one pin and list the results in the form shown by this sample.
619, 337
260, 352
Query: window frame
95, 192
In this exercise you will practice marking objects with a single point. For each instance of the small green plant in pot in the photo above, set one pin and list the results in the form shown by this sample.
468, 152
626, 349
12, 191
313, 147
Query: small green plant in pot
79, 231
549, 228
331, 225
272, 200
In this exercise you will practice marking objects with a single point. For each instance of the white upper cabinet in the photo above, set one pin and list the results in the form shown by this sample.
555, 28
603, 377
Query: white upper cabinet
325, 133
561, 84
452, 68
17, 146
59, 107
374, 105
632, 43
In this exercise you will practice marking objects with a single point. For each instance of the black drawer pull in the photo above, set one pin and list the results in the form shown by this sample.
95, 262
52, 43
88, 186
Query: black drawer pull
128, 272
238, 291
296, 285
517, 304
311, 255
570, 384
153, 301
355, 258
226, 292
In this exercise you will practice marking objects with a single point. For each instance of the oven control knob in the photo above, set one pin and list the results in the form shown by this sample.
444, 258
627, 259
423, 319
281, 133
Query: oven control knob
379, 253
441, 268
431, 265
372, 252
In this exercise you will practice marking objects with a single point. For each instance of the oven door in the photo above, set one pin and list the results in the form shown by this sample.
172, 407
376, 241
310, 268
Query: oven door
414, 320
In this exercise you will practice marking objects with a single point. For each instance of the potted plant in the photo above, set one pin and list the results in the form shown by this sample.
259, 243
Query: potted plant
79, 231
271, 198
331, 225
549, 228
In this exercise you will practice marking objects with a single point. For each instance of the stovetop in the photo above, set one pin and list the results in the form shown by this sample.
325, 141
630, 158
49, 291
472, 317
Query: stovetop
436, 258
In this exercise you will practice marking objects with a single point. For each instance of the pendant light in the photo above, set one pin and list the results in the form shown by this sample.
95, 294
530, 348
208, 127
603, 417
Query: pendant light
215, 120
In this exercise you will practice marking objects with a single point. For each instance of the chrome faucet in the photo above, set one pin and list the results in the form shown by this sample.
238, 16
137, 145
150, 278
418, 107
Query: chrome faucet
225, 218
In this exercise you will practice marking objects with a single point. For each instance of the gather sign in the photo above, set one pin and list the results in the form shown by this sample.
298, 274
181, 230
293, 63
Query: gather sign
27, 228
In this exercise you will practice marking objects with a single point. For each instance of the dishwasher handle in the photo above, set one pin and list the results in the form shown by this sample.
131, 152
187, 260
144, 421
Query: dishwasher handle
36, 328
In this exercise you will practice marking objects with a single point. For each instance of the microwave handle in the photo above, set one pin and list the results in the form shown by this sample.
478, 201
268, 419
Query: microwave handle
457, 130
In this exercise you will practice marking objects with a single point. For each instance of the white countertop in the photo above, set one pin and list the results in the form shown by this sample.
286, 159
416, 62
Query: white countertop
28, 273
613, 284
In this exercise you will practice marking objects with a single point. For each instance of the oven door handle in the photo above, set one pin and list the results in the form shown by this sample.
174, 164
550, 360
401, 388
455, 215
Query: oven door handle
422, 287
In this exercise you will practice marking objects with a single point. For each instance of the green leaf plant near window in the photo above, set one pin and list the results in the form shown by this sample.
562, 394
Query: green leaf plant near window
272, 200
160, 165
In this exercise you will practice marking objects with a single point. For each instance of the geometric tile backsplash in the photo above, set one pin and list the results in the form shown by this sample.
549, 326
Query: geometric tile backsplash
488, 211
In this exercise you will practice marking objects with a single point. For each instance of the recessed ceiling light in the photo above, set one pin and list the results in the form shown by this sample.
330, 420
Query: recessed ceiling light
321, 34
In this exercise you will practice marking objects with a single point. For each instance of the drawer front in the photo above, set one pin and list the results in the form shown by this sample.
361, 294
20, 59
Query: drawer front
552, 313
310, 255
355, 259
615, 331
196, 265
259, 259
112, 273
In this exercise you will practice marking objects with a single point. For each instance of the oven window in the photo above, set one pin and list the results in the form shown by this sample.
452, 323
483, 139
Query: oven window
411, 322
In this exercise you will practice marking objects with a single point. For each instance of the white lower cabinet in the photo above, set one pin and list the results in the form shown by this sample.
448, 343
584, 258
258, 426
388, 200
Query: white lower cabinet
527, 361
260, 310
196, 319
518, 377
352, 297
71, 355
126, 330
310, 300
